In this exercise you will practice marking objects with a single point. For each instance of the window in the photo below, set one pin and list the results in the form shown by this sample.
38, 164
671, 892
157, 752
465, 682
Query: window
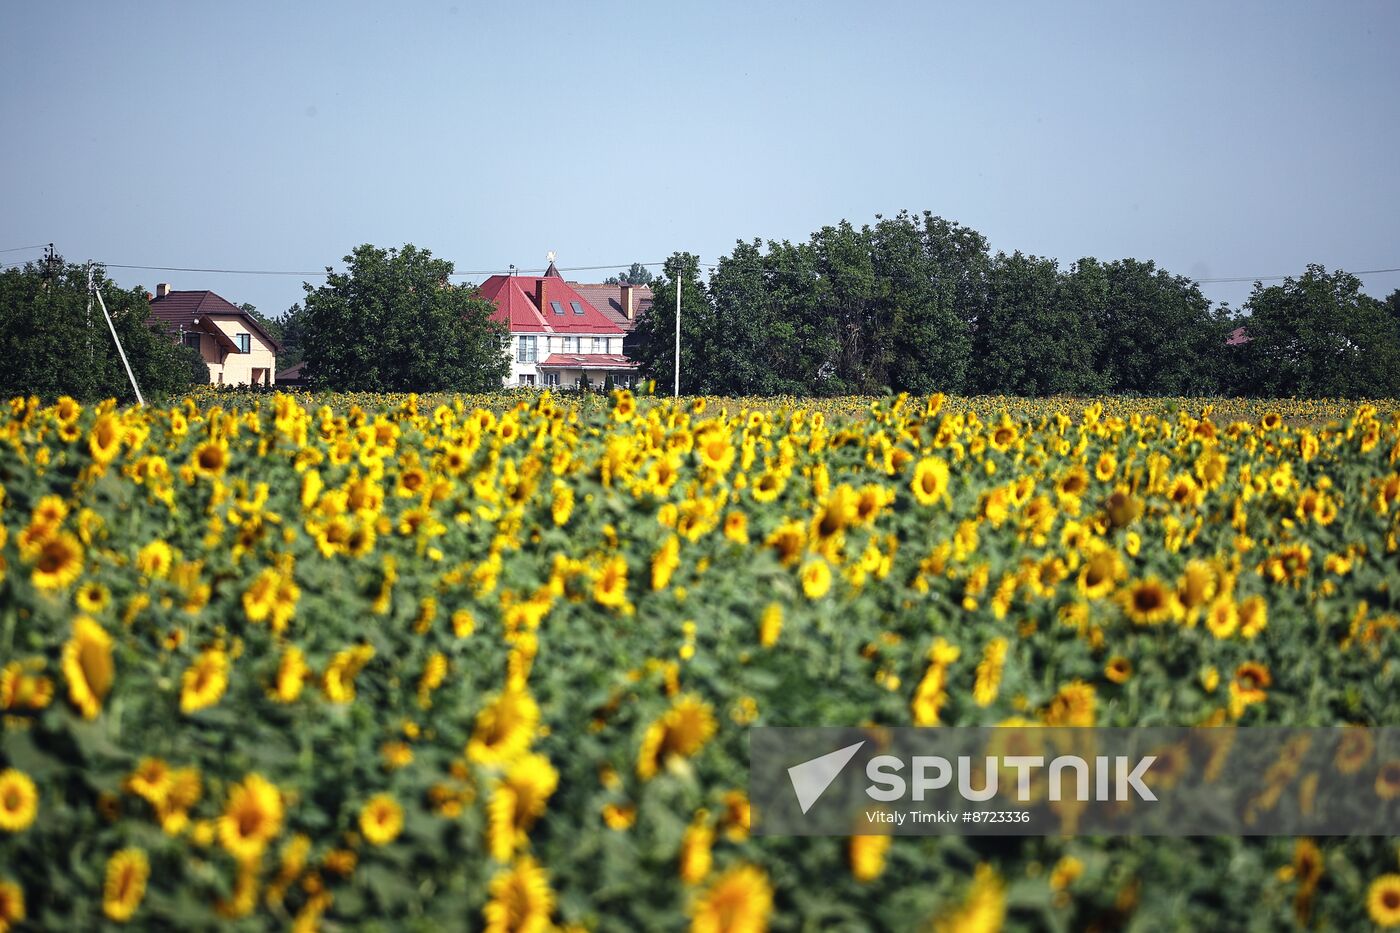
570, 345
245, 343
556, 307
578, 308
551, 379
527, 350
597, 346
527, 379
191, 339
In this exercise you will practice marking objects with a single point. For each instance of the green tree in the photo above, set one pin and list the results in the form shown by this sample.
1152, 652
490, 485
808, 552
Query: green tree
1159, 333
636, 274
272, 325
52, 343
926, 269
394, 322
1037, 333
1318, 335
655, 334
293, 337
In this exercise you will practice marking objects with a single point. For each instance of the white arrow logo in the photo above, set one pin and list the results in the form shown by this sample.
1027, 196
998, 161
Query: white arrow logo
811, 778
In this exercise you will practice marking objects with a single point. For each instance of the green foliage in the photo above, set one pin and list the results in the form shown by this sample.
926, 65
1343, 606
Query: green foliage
1319, 335
393, 321
655, 334
52, 343
636, 274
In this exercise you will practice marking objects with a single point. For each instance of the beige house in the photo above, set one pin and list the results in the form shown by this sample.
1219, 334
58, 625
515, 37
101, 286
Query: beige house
238, 350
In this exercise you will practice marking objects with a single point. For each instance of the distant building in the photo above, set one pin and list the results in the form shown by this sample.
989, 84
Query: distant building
293, 375
624, 305
1237, 337
558, 336
231, 341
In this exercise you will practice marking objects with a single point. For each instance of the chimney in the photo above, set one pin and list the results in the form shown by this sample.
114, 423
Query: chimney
627, 300
162, 290
543, 295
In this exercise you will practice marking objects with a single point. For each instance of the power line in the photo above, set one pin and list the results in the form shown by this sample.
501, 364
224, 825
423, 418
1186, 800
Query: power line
470, 272
1277, 278
16, 249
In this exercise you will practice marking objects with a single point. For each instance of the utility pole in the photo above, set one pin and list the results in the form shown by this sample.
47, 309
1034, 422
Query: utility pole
677, 392
88, 327
117, 340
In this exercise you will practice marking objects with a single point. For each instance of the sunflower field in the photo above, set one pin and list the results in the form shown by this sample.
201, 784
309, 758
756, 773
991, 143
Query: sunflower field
402, 663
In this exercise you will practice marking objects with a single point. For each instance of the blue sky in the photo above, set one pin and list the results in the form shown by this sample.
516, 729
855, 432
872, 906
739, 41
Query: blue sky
1218, 139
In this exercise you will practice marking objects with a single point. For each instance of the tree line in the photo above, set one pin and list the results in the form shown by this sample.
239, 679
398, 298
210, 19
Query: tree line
911, 303
918, 303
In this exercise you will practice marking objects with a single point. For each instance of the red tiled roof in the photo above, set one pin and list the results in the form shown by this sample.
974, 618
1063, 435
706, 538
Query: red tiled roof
517, 306
1237, 336
608, 299
185, 308
587, 361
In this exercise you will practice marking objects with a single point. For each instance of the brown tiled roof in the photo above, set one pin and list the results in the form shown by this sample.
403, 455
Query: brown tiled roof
185, 308
292, 374
1238, 336
608, 299
587, 361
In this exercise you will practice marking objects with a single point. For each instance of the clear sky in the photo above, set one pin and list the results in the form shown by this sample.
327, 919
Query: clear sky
1216, 138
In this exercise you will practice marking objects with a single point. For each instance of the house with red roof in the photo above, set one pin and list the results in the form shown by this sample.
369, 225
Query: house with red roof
236, 347
558, 337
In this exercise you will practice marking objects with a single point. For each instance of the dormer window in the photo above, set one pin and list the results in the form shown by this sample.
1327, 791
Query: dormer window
556, 307
578, 308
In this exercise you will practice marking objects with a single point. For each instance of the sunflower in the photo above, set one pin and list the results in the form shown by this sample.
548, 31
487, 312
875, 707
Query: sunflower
816, 578
381, 819
984, 908
204, 681
251, 817
770, 625
504, 728
23, 688
1354, 749
92, 598
867, 856
521, 899
1100, 574
11, 905
210, 458
1073, 705
768, 486
930, 481
1388, 780
739, 901
155, 559
1118, 669
58, 562
696, 846
1254, 616
150, 781
610, 582
1223, 618
291, 675
1149, 601
19, 801
87, 666
1250, 685
680, 732
105, 441
125, 884
1383, 901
